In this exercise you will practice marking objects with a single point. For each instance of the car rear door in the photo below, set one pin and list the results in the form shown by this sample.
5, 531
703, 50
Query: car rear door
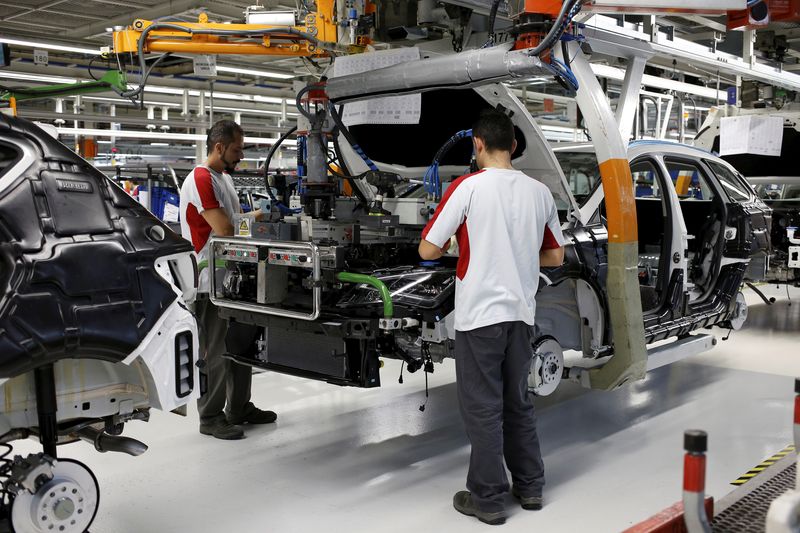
746, 212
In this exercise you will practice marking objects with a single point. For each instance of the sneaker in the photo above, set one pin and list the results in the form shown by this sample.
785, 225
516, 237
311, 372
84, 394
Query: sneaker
254, 416
222, 429
530, 503
462, 501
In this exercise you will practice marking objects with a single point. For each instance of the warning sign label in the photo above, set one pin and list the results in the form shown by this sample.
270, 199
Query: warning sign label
244, 228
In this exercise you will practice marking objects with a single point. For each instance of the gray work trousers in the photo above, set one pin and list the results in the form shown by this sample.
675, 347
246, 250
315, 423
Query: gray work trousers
228, 382
492, 365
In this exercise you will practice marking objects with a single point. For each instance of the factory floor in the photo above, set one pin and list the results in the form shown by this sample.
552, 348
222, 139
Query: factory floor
350, 460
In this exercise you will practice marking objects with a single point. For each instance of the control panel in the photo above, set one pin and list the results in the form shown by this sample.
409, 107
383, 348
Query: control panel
293, 258
242, 254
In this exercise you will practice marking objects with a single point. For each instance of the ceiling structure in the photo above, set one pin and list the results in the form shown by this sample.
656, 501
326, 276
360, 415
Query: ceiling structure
259, 90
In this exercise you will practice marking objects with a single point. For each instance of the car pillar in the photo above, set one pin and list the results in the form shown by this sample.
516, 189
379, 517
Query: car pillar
624, 300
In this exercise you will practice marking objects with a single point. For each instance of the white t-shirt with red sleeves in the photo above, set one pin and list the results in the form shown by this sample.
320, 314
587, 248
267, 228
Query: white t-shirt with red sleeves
205, 188
502, 220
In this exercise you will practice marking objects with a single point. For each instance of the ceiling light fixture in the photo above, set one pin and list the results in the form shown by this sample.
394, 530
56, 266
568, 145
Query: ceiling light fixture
51, 46
35, 77
254, 72
221, 95
131, 134
5, 74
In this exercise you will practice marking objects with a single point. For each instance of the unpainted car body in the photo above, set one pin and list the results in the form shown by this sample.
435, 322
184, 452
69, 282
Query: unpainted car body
92, 285
700, 225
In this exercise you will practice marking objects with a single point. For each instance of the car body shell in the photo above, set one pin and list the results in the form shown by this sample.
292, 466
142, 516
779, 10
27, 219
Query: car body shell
93, 284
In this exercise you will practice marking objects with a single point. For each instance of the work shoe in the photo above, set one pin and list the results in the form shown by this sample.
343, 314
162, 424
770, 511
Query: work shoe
462, 501
222, 429
254, 416
530, 503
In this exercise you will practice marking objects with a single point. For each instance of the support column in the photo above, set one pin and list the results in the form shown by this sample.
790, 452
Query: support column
200, 150
629, 97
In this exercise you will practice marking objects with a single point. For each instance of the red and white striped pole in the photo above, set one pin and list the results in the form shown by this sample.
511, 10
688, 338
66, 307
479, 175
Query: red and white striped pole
695, 443
797, 418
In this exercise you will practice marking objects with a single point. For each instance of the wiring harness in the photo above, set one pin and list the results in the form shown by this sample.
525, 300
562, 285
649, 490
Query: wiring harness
431, 181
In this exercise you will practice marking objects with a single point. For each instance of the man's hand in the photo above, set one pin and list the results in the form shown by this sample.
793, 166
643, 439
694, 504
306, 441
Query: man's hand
429, 251
219, 221
552, 258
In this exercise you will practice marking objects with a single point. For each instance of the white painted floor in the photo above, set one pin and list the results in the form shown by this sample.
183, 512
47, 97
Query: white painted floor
350, 460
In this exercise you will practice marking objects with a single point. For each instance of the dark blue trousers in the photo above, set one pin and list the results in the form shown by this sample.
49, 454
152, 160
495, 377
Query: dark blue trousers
492, 365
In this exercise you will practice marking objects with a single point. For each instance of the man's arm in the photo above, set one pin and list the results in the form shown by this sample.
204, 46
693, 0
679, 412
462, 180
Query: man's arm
219, 221
551, 253
554, 257
449, 215
429, 251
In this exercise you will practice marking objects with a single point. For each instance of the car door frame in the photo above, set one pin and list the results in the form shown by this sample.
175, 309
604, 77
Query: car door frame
712, 180
678, 240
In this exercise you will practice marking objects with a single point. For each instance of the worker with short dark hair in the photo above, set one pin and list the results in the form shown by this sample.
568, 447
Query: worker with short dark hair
507, 226
208, 203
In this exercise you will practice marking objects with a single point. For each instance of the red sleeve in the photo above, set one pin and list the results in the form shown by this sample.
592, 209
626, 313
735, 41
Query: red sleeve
202, 180
447, 194
549, 242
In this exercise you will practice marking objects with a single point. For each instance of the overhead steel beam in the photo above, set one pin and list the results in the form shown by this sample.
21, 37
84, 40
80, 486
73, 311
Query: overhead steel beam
600, 26
703, 36
47, 9
138, 121
613, 73
706, 22
28, 10
37, 24
164, 9
629, 98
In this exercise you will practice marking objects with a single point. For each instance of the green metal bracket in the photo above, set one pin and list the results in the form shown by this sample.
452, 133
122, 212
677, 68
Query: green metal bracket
113, 79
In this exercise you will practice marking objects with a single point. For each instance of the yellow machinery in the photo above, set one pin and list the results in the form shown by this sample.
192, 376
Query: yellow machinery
316, 36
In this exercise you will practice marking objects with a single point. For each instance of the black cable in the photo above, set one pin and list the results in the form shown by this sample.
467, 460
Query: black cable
338, 151
271, 152
299, 102
788, 296
89, 68
558, 28
337, 118
18, 91
346, 174
492, 17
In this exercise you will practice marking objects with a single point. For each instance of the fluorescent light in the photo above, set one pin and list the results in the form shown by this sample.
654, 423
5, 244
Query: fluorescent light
159, 144
127, 102
252, 111
49, 46
35, 77
132, 134
253, 72
5, 74
175, 105
220, 95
